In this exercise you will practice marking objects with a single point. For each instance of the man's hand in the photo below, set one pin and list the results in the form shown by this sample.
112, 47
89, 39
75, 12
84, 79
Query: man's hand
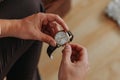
40, 26
74, 64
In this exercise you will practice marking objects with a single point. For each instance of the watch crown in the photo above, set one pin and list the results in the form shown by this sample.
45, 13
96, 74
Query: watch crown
71, 35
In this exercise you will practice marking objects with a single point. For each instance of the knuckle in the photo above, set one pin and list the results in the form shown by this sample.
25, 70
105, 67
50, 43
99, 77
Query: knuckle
57, 16
86, 65
84, 48
34, 36
66, 50
47, 39
39, 14
43, 38
66, 62
88, 68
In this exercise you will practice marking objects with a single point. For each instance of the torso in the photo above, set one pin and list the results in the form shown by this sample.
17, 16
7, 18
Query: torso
10, 9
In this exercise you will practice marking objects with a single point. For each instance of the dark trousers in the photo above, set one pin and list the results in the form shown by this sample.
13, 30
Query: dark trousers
19, 59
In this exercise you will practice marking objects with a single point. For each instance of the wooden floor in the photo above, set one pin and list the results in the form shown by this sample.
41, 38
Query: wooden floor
98, 33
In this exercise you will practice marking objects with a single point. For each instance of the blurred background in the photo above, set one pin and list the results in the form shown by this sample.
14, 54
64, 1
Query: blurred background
91, 28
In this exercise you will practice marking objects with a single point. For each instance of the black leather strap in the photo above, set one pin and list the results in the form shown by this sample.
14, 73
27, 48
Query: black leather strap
50, 50
70, 34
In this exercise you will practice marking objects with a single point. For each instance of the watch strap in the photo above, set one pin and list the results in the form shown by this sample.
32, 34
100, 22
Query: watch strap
71, 35
50, 50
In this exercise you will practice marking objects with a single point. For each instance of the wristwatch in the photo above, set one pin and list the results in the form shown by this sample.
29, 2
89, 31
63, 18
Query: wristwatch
61, 39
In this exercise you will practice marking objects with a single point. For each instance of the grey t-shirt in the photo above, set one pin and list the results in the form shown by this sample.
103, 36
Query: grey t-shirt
12, 9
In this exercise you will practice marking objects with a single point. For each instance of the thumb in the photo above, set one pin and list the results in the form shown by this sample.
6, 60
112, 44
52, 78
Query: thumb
66, 57
48, 39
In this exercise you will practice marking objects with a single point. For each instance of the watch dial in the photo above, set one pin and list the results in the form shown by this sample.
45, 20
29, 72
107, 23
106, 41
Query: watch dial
61, 38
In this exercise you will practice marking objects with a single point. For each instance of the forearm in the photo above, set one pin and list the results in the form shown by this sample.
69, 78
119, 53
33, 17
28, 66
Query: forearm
7, 26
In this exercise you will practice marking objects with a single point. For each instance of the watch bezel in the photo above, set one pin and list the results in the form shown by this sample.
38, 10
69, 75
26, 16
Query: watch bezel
67, 35
50, 48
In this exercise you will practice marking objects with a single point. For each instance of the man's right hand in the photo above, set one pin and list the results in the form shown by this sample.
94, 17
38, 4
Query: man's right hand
74, 64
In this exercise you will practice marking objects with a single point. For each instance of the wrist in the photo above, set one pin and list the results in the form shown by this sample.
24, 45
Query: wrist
4, 27
0, 32
8, 27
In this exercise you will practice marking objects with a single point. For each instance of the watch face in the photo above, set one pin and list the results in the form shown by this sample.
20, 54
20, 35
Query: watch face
61, 38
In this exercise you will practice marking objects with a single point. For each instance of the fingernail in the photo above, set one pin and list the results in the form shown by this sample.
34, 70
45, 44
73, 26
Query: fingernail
52, 43
67, 46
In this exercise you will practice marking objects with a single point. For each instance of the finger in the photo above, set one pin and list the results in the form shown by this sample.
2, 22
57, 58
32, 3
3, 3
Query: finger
48, 39
84, 58
45, 22
53, 17
67, 53
50, 29
84, 55
82, 51
76, 47
54, 28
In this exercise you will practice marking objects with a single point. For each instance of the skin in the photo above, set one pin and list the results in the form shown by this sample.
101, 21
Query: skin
74, 63
40, 26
